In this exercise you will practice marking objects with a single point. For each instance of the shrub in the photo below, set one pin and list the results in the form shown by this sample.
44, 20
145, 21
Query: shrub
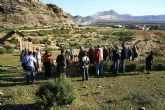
141, 98
57, 92
131, 67
2, 50
9, 49
140, 67
158, 67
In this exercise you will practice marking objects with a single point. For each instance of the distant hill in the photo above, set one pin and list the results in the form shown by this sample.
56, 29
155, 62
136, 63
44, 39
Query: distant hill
31, 13
112, 16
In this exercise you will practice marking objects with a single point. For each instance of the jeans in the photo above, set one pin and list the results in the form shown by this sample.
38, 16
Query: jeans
85, 73
30, 75
99, 69
123, 65
115, 67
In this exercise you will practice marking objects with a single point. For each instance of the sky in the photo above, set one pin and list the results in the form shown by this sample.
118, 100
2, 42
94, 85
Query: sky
90, 7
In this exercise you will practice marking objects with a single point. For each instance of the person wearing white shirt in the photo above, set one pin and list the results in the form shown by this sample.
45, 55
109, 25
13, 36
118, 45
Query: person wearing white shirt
31, 62
38, 58
85, 66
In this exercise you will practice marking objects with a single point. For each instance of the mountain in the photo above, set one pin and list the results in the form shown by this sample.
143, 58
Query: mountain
32, 13
112, 16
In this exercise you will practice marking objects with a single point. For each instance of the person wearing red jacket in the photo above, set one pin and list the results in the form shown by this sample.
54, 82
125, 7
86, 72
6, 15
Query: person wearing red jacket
47, 58
98, 61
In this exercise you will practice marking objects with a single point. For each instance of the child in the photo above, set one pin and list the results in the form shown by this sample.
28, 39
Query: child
85, 66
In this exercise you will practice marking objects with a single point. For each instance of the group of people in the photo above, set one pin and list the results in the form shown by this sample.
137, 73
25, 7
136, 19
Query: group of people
31, 63
98, 56
101, 55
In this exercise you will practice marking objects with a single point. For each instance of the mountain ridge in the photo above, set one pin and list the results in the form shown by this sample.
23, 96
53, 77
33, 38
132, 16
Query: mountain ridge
113, 16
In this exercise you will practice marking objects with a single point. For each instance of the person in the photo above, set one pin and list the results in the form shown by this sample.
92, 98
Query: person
129, 54
99, 61
115, 61
80, 55
61, 63
85, 66
105, 53
134, 53
91, 54
38, 57
47, 63
123, 57
149, 62
31, 62
24, 61
105, 57
110, 53
71, 53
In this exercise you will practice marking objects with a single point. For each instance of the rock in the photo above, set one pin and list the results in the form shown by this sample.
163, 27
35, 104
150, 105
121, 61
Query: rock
16, 14
142, 108
84, 86
1, 93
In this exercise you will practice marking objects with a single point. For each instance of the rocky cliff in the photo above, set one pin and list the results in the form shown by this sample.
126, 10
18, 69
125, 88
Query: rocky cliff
32, 13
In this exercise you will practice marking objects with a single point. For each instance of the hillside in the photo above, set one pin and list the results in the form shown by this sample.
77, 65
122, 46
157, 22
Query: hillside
31, 13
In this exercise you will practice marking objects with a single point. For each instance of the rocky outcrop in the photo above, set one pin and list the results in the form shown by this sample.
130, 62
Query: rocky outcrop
32, 13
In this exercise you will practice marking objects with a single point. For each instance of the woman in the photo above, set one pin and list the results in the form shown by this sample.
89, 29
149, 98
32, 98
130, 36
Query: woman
47, 63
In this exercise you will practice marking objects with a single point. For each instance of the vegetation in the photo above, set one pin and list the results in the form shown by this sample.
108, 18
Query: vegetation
56, 92
6, 49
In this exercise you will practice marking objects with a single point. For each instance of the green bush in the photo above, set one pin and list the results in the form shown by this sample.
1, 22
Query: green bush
131, 67
140, 67
2, 50
158, 67
57, 92
140, 98
9, 49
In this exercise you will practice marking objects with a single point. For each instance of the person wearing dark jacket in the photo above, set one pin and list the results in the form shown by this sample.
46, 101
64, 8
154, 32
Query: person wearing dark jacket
61, 63
91, 54
129, 54
149, 61
123, 57
115, 59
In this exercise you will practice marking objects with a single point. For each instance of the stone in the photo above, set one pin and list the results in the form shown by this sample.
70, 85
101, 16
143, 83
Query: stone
142, 108
1, 93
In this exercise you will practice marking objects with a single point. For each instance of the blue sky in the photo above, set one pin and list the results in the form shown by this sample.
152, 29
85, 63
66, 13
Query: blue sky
89, 7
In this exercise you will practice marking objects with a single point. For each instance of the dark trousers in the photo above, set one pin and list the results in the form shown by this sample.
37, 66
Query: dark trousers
122, 63
30, 75
85, 73
60, 70
115, 67
47, 66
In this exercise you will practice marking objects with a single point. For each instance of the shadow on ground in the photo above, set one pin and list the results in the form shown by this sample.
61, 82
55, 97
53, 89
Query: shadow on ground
19, 107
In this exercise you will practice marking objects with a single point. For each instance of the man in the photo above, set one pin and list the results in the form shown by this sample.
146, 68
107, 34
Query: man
149, 61
123, 57
99, 61
38, 57
115, 61
31, 62
85, 66
61, 63
71, 53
